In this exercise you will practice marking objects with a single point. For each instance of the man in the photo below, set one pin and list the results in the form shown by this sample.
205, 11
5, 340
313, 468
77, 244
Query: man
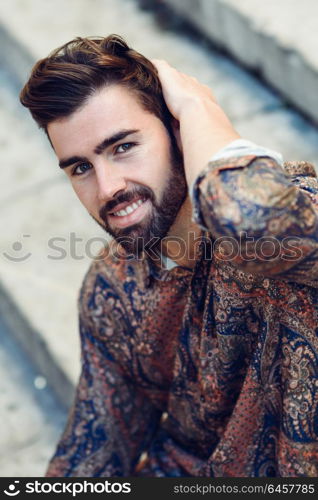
198, 323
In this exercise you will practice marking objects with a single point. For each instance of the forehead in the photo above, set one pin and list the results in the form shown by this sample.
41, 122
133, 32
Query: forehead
104, 113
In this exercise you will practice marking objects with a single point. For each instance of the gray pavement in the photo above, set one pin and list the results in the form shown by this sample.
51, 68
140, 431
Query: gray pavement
31, 418
276, 38
40, 282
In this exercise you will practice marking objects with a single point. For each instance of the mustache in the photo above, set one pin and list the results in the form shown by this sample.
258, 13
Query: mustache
140, 192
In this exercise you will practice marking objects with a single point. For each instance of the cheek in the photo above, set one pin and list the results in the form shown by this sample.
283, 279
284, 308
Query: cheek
155, 164
85, 194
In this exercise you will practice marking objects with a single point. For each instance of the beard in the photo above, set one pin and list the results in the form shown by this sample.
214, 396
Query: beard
156, 224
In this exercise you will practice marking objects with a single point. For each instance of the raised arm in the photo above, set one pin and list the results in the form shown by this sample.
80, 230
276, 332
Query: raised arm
265, 219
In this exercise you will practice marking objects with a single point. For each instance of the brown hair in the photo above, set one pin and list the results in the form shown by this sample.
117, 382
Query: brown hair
62, 82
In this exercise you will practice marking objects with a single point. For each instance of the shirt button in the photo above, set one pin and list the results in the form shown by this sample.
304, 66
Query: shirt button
164, 416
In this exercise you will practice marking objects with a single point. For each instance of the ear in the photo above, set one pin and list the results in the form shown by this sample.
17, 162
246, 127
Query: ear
176, 132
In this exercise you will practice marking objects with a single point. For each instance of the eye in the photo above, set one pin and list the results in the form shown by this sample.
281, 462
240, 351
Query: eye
122, 148
81, 169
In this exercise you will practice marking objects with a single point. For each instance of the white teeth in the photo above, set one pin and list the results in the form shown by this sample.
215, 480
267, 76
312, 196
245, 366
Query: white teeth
129, 209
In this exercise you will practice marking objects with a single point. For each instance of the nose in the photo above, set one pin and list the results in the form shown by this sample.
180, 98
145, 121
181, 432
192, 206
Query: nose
109, 182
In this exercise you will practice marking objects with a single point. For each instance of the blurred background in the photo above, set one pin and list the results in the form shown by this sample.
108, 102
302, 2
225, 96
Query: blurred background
261, 60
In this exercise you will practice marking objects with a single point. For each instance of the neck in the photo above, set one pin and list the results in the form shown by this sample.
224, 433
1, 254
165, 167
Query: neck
182, 240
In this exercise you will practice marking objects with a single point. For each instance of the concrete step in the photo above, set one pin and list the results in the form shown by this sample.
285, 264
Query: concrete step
39, 285
277, 39
31, 418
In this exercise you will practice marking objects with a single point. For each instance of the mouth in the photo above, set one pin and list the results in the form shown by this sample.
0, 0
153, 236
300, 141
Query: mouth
131, 214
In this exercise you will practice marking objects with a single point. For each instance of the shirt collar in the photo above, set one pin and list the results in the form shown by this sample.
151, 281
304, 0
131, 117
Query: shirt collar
169, 270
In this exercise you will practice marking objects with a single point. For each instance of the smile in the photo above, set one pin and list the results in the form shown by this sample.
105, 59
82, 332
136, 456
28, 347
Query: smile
131, 214
128, 210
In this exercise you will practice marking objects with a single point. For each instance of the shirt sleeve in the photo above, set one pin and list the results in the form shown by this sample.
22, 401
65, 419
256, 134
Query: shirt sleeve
263, 218
111, 421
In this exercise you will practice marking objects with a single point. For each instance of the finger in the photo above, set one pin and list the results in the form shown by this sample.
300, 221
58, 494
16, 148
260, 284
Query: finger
159, 63
164, 67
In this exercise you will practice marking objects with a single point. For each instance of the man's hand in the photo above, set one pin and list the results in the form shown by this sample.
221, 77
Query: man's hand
204, 127
180, 90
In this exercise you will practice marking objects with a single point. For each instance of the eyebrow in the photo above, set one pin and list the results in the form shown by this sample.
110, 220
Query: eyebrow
99, 148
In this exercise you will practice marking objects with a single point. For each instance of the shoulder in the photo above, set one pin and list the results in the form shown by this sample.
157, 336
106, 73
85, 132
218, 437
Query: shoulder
300, 168
304, 175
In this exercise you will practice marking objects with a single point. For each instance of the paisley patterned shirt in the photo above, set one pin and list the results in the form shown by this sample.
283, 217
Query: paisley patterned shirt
210, 371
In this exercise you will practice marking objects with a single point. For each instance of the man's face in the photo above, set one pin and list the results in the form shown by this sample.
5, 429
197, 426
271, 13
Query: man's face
122, 165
